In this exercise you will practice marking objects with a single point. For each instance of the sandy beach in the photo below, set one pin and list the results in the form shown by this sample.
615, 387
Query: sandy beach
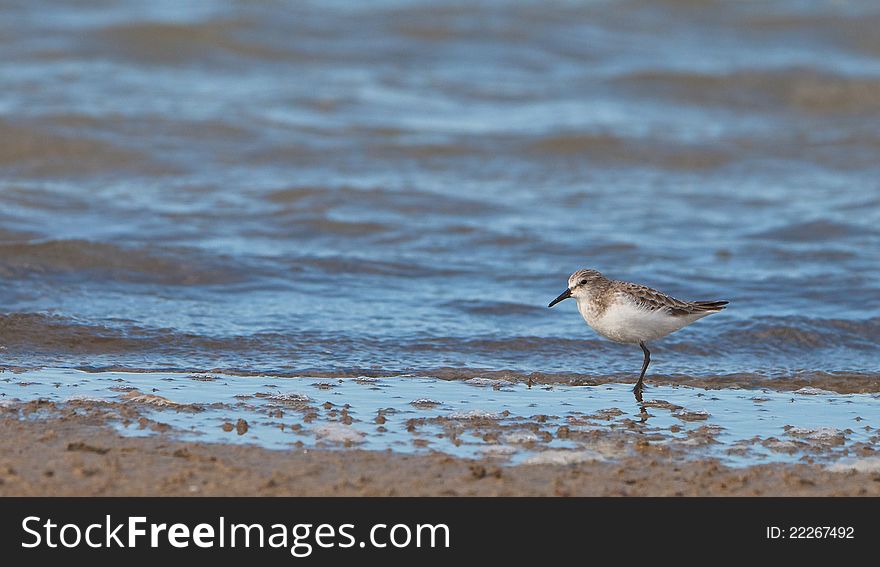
72, 450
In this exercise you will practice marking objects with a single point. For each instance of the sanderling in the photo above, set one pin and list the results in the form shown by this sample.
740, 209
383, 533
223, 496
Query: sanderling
631, 313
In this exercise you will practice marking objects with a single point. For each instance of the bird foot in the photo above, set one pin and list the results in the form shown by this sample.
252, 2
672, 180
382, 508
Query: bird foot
637, 391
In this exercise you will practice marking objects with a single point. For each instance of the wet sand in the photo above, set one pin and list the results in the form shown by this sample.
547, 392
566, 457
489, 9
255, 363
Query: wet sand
839, 382
72, 450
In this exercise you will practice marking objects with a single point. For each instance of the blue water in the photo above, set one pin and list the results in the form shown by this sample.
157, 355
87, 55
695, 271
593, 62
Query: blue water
402, 186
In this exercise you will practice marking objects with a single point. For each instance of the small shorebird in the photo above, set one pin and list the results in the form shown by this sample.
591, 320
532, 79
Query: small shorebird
631, 313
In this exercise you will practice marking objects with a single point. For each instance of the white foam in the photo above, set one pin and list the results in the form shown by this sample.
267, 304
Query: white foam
810, 391
498, 450
83, 398
151, 399
563, 457
521, 437
290, 397
779, 445
692, 414
338, 433
474, 414
818, 434
867, 465
487, 382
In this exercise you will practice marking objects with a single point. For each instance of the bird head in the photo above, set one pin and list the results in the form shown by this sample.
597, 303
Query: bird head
579, 285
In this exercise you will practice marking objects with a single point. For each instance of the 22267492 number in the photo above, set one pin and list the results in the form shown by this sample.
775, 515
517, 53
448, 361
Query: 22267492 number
826, 532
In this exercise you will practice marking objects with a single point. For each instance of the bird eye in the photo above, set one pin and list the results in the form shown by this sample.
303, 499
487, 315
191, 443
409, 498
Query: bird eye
582, 282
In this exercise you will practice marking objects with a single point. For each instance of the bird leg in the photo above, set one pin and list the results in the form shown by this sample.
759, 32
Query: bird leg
641, 383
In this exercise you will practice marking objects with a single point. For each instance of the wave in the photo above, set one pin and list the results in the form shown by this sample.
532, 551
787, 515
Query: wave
802, 89
108, 261
820, 230
499, 308
822, 351
602, 147
176, 43
334, 265
38, 151
801, 334
42, 331
314, 199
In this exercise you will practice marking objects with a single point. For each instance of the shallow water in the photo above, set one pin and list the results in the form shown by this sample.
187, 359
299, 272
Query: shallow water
479, 417
401, 186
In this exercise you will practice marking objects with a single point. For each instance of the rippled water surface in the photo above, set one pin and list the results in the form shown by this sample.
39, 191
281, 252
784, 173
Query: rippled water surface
352, 188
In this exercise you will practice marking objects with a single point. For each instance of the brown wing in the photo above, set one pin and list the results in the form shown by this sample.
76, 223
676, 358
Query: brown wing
654, 300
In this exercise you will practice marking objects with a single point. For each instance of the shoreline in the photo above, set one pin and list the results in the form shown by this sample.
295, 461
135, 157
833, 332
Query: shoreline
50, 450
844, 382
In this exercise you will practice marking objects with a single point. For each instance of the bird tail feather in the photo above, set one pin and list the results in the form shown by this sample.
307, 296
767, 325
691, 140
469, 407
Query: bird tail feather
711, 305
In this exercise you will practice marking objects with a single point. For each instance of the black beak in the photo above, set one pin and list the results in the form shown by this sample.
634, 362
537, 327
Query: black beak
564, 295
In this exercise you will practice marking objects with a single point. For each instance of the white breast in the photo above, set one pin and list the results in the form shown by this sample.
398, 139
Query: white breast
624, 321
